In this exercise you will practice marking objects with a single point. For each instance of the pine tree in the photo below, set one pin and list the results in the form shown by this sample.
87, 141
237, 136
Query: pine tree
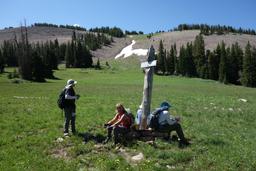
212, 69
223, 64
87, 57
53, 52
24, 54
165, 63
171, 63
199, 55
249, 67
160, 58
37, 67
2, 63
190, 65
239, 55
69, 56
182, 61
98, 64
214, 64
233, 68
176, 61
78, 62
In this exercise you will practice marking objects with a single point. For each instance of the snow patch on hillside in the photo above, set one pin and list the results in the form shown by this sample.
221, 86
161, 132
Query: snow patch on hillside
128, 51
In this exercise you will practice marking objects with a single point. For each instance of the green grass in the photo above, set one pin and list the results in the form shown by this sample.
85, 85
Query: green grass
221, 127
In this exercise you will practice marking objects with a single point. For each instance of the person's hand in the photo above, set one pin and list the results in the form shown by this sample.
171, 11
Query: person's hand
106, 125
177, 119
77, 96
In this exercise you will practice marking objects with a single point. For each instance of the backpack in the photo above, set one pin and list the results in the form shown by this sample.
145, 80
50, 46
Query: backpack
61, 100
131, 118
153, 123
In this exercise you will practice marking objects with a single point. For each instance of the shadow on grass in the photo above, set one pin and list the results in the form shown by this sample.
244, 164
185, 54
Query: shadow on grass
98, 138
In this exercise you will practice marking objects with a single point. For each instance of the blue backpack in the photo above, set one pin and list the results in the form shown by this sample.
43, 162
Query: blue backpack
153, 123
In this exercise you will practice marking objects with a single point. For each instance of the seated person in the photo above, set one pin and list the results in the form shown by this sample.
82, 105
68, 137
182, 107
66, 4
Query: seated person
138, 118
168, 123
120, 124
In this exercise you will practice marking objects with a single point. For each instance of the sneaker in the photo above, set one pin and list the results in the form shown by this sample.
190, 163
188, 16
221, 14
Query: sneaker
65, 134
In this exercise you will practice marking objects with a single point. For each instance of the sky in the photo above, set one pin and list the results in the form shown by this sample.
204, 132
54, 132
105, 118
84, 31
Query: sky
139, 15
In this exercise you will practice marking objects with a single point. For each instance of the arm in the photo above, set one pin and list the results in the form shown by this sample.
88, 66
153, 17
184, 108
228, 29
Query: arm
169, 118
69, 96
118, 122
113, 120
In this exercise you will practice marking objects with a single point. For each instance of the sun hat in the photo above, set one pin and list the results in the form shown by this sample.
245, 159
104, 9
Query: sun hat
71, 82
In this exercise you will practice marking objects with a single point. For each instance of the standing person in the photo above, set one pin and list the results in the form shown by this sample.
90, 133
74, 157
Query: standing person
168, 123
120, 124
70, 106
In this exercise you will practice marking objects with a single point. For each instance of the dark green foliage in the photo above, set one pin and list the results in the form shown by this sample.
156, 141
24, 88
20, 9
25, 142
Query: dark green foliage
69, 56
9, 53
24, 55
97, 66
233, 67
214, 29
38, 67
2, 63
59, 26
115, 31
189, 60
223, 64
199, 55
62, 52
77, 54
249, 66
213, 64
160, 59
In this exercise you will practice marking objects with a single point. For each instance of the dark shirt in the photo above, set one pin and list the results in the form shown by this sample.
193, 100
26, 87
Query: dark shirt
70, 102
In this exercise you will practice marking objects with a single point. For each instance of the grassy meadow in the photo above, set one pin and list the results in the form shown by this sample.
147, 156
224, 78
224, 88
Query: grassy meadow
221, 127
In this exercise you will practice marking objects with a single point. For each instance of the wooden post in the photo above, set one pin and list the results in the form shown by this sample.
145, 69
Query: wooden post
148, 84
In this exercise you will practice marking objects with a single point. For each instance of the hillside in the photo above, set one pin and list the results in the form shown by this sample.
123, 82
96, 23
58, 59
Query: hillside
182, 37
42, 34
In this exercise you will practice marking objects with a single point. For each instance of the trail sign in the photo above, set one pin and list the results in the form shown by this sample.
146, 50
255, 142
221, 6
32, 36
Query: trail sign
148, 84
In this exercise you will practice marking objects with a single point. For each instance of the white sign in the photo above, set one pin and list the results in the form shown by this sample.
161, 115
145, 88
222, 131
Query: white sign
148, 64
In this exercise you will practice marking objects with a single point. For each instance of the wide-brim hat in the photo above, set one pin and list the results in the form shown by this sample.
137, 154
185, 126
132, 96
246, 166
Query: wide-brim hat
71, 82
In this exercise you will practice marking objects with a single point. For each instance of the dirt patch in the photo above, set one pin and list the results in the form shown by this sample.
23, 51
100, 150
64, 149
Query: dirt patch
60, 153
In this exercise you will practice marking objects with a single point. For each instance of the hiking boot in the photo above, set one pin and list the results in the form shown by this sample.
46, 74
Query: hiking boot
183, 143
65, 134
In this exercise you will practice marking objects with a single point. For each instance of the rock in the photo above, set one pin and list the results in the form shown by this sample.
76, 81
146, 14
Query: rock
231, 109
137, 158
243, 100
170, 167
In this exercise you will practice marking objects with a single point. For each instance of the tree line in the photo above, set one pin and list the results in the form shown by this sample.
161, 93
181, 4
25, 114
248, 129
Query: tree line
59, 26
214, 29
38, 60
115, 31
225, 64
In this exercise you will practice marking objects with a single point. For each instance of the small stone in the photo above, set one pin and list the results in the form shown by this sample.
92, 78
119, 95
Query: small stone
243, 100
170, 167
59, 140
138, 157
